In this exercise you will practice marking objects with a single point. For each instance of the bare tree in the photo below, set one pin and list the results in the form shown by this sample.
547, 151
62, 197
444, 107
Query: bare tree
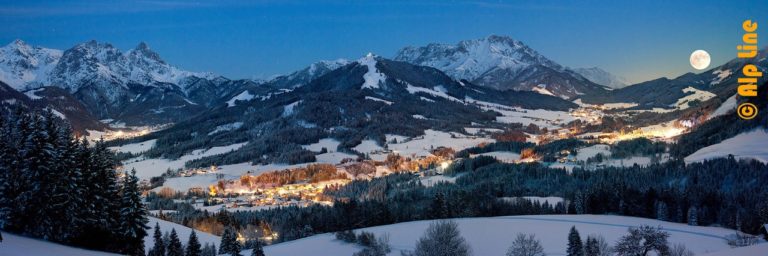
442, 238
642, 240
526, 245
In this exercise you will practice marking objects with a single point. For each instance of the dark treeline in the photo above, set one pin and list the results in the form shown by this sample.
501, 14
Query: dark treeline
724, 192
58, 188
637, 147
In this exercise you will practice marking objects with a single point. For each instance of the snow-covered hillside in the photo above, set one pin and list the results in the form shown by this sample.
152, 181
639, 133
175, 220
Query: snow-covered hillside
748, 145
15, 245
182, 231
492, 236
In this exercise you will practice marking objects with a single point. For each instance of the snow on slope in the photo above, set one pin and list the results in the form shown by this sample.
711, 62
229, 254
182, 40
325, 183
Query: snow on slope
727, 106
422, 145
682, 103
182, 231
492, 236
14, 245
243, 96
329, 144
373, 78
135, 148
379, 100
148, 168
748, 145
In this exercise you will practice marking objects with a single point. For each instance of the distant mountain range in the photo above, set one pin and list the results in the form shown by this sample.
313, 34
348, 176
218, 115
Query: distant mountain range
501, 63
602, 77
137, 87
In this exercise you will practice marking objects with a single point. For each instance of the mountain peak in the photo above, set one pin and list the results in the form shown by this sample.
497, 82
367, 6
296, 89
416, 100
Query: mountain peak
144, 50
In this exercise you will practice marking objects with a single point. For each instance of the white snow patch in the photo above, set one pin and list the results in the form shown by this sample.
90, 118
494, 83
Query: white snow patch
748, 145
379, 100
57, 113
226, 127
727, 106
682, 103
31, 93
414, 89
135, 148
15, 245
420, 117
367, 146
289, 109
329, 144
422, 145
542, 89
721, 75
373, 78
243, 96
583, 154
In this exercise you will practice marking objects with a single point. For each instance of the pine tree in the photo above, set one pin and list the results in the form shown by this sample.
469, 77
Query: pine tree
159, 248
133, 215
574, 243
591, 247
224, 246
258, 250
693, 216
193, 245
174, 245
39, 160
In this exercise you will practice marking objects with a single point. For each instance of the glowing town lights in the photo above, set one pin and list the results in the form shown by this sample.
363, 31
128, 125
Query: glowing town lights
444, 165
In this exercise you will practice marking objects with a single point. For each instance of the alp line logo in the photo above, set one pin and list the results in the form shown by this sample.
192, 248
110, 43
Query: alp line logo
748, 84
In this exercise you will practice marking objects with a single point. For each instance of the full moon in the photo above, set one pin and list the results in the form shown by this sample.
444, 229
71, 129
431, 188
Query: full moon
700, 59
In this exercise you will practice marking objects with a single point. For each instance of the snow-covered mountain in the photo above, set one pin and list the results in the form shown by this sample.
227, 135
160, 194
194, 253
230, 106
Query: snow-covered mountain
502, 63
306, 75
26, 67
602, 77
136, 86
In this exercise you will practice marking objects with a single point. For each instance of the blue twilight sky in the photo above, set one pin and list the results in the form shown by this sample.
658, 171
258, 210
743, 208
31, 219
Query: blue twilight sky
639, 40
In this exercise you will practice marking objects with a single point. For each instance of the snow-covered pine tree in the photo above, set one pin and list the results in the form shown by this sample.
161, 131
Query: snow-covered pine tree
209, 250
174, 245
574, 243
591, 247
693, 219
159, 248
133, 215
109, 198
258, 250
225, 246
193, 245
39, 160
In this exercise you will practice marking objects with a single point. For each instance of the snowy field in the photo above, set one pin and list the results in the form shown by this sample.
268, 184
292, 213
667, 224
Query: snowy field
422, 145
14, 245
748, 145
148, 168
135, 148
492, 236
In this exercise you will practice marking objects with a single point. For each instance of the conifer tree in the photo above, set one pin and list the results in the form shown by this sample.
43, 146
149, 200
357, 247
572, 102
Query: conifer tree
574, 243
159, 248
258, 250
133, 215
193, 245
174, 245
